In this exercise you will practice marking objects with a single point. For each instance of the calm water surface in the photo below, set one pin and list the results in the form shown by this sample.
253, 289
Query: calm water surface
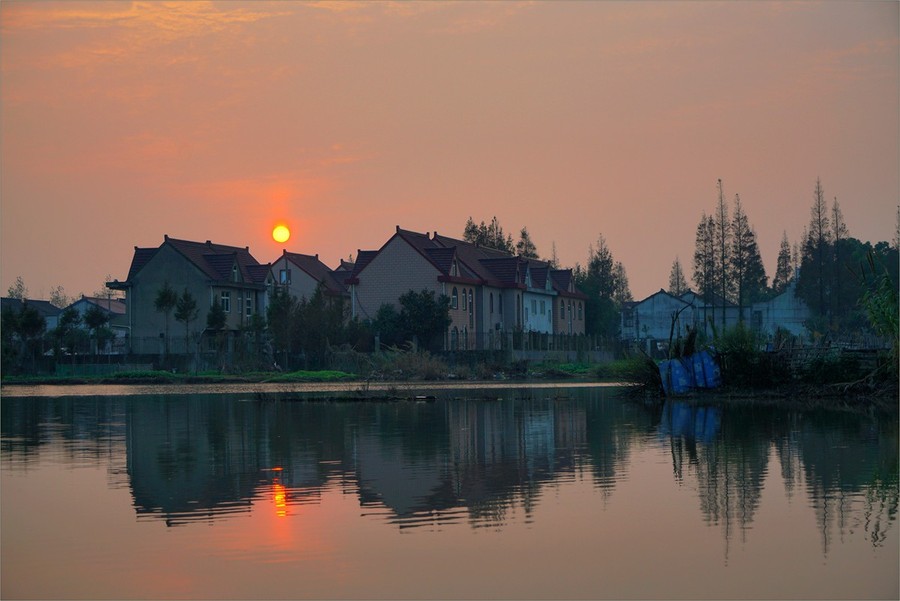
538, 492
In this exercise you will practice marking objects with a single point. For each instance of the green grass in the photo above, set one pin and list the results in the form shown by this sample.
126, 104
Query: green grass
161, 376
311, 376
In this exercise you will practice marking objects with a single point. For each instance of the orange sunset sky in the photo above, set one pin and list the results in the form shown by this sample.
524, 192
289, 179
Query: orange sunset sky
124, 121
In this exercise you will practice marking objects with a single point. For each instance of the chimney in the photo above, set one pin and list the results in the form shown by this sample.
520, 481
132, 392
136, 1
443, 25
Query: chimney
398, 229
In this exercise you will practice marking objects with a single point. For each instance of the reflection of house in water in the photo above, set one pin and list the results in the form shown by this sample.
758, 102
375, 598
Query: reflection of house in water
191, 460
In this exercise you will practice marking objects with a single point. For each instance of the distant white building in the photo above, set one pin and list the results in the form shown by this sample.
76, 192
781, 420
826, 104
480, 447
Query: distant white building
786, 311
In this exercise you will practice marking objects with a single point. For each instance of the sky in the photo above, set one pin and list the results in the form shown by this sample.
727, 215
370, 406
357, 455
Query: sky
121, 122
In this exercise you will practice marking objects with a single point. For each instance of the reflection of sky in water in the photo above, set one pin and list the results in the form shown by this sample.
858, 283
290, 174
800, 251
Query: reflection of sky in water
550, 470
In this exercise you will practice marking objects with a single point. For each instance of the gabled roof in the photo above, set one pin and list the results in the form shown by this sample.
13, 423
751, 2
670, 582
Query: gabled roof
215, 261
363, 258
111, 305
662, 292
690, 297
505, 270
141, 256
41, 306
442, 258
316, 270
470, 256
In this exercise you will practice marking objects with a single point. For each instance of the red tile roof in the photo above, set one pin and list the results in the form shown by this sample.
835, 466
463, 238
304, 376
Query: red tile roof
317, 270
213, 260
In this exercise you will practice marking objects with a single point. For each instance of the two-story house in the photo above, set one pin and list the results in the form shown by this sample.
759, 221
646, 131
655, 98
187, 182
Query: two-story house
301, 275
210, 273
490, 291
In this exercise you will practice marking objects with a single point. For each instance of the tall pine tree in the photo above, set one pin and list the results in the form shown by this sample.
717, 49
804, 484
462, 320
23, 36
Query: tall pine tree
784, 266
746, 272
677, 283
816, 254
722, 242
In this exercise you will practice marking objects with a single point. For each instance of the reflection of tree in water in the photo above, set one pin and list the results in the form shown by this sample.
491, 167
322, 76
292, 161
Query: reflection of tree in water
727, 452
850, 462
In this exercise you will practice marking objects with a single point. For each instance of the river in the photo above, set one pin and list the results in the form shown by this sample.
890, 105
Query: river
480, 491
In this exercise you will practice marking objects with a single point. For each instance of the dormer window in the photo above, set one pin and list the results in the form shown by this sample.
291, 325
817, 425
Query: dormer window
234, 273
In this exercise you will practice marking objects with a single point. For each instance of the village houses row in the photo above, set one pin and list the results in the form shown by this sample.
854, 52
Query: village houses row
490, 292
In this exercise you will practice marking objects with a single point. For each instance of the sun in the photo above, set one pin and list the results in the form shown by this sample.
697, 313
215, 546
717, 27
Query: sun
281, 233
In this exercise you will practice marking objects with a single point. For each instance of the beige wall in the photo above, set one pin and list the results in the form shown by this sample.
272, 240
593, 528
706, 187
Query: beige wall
169, 265
302, 284
397, 269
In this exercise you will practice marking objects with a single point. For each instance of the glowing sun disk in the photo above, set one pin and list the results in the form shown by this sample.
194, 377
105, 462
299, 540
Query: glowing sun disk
281, 233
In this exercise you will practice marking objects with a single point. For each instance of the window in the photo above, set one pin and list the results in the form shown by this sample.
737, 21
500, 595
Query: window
454, 299
580, 314
492, 302
471, 309
284, 277
562, 309
234, 273
533, 307
226, 302
543, 307
465, 338
454, 338
464, 299
249, 304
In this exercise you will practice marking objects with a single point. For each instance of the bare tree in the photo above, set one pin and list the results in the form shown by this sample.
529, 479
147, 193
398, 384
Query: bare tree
18, 289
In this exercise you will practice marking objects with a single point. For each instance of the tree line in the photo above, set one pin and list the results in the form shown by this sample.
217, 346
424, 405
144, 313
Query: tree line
828, 264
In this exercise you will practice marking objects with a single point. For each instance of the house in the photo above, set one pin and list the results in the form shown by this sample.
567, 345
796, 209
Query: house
786, 311
652, 319
709, 310
301, 275
115, 310
209, 272
49, 312
490, 291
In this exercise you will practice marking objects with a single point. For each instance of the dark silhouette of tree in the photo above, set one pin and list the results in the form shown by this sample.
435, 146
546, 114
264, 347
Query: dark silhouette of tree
59, 298
426, 317
784, 268
166, 299
840, 305
525, 247
621, 290
705, 260
216, 320
815, 269
22, 331
606, 285
18, 289
283, 318
186, 312
553, 261
490, 236
722, 242
68, 333
95, 319
677, 283
747, 273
